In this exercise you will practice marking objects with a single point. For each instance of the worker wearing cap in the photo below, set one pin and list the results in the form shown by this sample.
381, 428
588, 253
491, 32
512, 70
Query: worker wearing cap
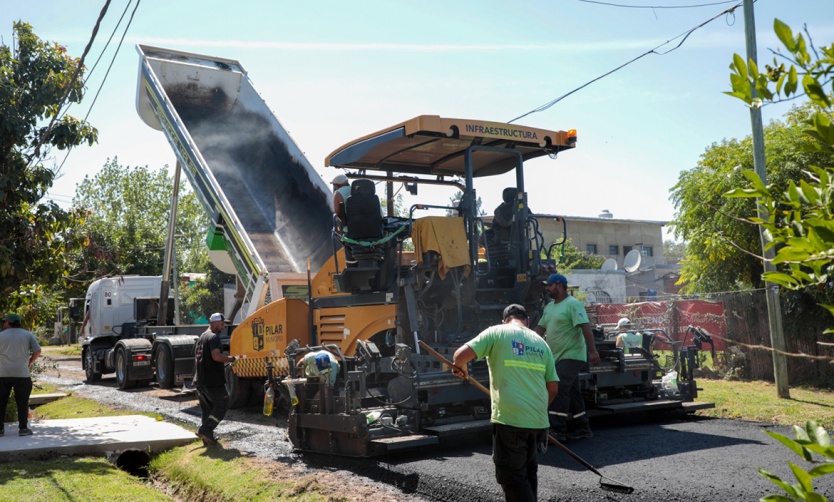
18, 350
341, 193
523, 381
564, 325
627, 338
210, 378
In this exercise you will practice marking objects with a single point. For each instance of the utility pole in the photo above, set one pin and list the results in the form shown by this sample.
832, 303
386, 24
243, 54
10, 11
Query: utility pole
774, 308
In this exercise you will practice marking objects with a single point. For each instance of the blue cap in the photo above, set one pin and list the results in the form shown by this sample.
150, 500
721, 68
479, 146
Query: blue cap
12, 318
556, 279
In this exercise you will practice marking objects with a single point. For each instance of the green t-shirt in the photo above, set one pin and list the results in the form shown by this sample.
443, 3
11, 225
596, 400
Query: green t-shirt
562, 323
520, 365
631, 340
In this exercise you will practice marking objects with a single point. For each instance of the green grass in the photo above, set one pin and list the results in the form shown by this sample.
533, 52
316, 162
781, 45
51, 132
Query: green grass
76, 407
190, 472
758, 402
62, 350
193, 474
89, 479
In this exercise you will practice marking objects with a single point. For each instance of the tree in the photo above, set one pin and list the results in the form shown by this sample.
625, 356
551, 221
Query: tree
674, 251
799, 216
722, 246
36, 81
569, 257
127, 224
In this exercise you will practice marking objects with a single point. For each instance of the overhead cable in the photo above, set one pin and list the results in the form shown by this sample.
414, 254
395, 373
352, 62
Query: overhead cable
107, 73
657, 6
48, 131
685, 35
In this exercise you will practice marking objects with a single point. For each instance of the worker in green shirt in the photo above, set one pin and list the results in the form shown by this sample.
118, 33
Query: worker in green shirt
522, 381
564, 325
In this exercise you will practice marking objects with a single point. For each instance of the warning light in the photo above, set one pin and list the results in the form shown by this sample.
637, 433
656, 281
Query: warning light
571, 135
139, 357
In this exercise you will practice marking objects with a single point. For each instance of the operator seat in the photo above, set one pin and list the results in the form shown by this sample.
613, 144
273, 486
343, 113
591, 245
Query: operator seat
364, 225
363, 212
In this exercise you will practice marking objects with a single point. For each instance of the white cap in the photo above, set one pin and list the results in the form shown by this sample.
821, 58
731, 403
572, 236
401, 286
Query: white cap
217, 317
623, 322
340, 179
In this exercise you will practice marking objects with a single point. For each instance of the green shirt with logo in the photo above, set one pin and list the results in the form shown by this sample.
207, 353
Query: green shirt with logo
520, 365
563, 322
631, 340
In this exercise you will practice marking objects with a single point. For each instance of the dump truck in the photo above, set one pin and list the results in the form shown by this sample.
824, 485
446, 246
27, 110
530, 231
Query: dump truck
122, 333
269, 210
379, 287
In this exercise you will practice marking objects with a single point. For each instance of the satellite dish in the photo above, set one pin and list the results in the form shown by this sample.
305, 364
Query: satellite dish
609, 264
632, 260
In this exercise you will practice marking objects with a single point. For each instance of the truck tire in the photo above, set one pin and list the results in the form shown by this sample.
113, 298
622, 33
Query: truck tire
237, 388
164, 367
92, 376
122, 368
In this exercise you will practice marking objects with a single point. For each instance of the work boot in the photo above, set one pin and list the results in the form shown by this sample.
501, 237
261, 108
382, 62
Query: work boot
580, 434
208, 439
25, 432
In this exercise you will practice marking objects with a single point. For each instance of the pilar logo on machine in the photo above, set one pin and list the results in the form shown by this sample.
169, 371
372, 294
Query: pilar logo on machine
258, 333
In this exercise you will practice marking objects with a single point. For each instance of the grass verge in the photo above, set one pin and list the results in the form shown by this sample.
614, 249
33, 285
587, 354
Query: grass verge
93, 479
758, 402
183, 473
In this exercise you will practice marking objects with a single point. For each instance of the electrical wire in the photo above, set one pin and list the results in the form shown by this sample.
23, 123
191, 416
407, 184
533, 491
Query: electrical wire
109, 67
657, 6
685, 36
45, 135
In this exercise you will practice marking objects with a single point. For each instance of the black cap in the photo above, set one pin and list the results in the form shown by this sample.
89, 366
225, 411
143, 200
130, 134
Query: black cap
514, 309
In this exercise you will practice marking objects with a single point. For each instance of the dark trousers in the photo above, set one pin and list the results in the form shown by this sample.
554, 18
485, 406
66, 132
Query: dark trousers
22, 390
214, 403
569, 399
514, 453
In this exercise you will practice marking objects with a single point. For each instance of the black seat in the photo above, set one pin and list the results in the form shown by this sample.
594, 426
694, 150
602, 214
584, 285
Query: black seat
364, 226
363, 212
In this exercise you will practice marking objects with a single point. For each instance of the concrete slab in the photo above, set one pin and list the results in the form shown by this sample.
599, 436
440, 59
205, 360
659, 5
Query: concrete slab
91, 436
39, 399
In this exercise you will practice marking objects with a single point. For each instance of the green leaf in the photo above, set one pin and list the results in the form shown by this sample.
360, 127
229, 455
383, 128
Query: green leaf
789, 489
793, 82
821, 470
740, 66
785, 34
815, 91
802, 476
791, 444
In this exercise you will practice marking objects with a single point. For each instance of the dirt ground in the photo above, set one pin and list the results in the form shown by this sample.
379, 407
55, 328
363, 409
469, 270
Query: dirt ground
261, 439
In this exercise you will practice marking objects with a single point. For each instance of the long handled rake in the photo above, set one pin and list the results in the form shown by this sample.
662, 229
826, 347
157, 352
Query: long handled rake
606, 483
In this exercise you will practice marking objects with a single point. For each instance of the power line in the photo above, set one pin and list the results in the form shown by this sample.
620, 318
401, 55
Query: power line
657, 6
107, 73
685, 35
45, 135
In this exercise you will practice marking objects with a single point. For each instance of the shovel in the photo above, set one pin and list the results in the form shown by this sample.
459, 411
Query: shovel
606, 483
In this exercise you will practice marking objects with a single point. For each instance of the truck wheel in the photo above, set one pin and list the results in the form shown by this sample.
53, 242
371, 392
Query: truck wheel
92, 376
237, 388
164, 367
121, 371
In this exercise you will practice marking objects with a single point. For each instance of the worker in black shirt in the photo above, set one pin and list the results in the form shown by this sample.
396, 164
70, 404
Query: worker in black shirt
210, 379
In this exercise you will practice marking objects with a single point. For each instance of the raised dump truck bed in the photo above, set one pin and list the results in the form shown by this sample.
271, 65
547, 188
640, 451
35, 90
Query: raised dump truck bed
270, 206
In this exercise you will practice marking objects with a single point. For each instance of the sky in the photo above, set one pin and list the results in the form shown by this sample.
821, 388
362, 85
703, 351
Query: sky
333, 71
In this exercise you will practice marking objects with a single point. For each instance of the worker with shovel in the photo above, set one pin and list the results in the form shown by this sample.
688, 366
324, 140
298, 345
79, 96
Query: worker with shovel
523, 382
